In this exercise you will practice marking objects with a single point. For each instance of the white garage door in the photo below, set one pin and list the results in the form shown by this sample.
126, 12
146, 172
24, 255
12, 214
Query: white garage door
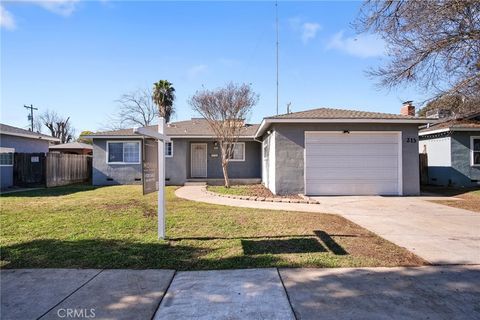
355, 163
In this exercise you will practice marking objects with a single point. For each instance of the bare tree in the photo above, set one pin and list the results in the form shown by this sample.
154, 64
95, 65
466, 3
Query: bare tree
456, 104
136, 109
432, 44
60, 127
225, 109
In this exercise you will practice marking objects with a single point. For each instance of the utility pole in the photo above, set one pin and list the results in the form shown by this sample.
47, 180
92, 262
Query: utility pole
30, 116
276, 23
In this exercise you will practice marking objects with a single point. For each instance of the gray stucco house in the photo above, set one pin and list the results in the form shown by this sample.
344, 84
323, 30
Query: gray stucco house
13, 139
453, 150
192, 155
315, 152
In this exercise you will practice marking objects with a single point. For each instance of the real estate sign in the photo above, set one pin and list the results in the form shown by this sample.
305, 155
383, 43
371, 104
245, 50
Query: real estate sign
150, 166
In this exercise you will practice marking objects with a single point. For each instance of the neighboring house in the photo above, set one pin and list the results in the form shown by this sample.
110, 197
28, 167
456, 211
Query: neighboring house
192, 154
72, 148
453, 150
13, 139
316, 152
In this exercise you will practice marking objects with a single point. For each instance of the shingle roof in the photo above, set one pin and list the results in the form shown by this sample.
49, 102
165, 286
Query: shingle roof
330, 113
72, 145
14, 131
454, 124
188, 128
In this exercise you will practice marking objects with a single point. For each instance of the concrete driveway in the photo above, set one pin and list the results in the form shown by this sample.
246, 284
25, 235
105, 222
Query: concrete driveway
437, 233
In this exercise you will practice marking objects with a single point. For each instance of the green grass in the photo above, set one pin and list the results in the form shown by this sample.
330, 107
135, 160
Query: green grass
240, 190
115, 227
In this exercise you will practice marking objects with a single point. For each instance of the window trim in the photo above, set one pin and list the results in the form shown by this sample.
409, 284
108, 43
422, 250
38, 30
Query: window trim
165, 145
239, 160
472, 151
124, 141
265, 144
8, 165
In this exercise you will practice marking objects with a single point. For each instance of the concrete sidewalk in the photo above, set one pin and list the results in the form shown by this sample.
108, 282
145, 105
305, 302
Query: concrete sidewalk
437, 233
345, 293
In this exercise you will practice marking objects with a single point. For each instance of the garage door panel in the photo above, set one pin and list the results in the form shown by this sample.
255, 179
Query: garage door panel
360, 149
349, 162
352, 138
363, 174
353, 188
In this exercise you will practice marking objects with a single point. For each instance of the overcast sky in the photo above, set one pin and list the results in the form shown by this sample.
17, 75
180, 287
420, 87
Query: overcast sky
78, 57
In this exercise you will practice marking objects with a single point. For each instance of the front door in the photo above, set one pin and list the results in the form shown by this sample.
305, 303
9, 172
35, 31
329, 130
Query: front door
198, 160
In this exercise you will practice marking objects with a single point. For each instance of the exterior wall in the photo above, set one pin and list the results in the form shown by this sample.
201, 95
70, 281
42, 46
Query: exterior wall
268, 161
463, 172
250, 168
104, 174
439, 159
6, 173
23, 144
449, 162
177, 167
290, 147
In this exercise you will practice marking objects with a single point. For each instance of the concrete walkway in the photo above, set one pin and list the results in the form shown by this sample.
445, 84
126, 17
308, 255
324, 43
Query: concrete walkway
352, 293
437, 233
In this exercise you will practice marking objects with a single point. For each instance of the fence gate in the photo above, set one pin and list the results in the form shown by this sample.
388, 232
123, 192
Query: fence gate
423, 168
29, 169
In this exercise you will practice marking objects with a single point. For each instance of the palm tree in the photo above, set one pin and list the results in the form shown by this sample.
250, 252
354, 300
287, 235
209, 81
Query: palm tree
163, 96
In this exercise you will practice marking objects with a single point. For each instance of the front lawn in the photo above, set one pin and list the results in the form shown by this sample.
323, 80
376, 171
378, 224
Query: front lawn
115, 227
470, 200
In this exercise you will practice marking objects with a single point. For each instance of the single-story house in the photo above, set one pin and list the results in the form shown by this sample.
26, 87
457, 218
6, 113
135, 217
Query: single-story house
315, 152
72, 148
452, 146
13, 139
193, 154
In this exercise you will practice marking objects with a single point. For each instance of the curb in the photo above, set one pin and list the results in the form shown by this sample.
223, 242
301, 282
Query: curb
262, 199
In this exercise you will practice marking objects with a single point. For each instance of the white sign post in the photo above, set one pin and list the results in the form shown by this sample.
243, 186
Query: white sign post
161, 139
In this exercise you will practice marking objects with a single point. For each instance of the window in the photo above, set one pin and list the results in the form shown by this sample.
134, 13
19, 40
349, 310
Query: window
6, 159
169, 149
238, 152
475, 150
123, 152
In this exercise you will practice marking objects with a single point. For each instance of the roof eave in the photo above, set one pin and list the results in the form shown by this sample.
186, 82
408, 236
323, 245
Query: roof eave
31, 136
267, 121
424, 133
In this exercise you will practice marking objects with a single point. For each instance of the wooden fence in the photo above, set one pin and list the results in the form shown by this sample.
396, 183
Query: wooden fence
29, 169
63, 169
423, 168
51, 169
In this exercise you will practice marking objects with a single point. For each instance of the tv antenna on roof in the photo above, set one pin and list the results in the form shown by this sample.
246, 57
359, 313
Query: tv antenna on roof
276, 24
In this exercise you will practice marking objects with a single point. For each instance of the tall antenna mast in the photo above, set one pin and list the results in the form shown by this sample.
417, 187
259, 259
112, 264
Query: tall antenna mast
276, 23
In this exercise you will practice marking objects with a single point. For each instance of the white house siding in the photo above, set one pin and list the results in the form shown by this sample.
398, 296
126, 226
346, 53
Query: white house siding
438, 150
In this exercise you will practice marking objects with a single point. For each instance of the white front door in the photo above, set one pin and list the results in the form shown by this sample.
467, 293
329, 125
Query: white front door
198, 160
355, 163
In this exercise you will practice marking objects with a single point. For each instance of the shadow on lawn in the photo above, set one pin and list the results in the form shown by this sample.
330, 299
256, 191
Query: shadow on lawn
115, 254
51, 192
